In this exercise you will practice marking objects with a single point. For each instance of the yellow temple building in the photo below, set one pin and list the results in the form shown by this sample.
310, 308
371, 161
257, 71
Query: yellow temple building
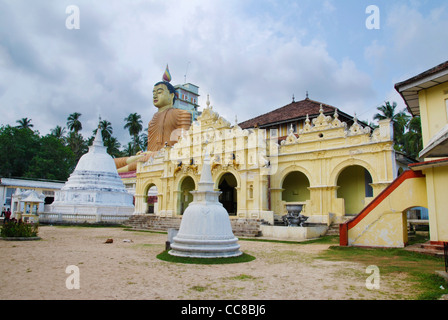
382, 223
328, 161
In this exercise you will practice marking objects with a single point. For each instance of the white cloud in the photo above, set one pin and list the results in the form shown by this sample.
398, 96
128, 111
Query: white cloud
250, 62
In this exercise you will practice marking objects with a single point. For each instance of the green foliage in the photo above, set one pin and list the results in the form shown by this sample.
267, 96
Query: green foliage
14, 228
73, 122
419, 268
133, 123
53, 160
407, 129
26, 154
18, 147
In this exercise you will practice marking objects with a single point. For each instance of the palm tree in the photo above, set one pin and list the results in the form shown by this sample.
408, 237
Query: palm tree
113, 147
106, 129
134, 125
413, 142
24, 123
77, 144
58, 132
73, 122
129, 150
399, 119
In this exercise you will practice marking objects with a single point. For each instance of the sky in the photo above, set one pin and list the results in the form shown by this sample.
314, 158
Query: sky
249, 56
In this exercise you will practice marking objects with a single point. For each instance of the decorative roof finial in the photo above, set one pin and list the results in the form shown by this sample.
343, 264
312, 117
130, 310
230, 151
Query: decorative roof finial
307, 94
293, 99
166, 75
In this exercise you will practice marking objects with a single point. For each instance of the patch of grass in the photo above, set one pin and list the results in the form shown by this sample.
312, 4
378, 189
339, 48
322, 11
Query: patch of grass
322, 240
242, 277
198, 288
418, 269
148, 231
165, 256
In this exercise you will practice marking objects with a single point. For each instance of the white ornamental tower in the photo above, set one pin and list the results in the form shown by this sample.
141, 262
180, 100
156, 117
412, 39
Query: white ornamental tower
94, 187
205, 230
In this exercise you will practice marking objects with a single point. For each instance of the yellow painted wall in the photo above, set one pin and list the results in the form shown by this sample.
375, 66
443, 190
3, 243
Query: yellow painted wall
385, 226
352, 188
295, 187
434, 116
437, 191
433, 111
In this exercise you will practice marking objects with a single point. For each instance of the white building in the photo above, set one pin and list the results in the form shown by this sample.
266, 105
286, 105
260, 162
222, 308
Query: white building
8, 187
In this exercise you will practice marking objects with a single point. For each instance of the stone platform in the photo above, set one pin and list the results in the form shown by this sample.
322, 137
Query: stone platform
240, 227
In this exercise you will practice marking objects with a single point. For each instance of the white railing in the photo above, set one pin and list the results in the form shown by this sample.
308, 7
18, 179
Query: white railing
47, 217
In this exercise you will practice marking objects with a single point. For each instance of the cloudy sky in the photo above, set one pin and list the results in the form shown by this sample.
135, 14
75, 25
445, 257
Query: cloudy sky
250, 56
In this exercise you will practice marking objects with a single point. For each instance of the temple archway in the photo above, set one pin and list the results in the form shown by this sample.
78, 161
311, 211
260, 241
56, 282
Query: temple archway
185, 197
354, 187
228, 197
151, 199
295, 187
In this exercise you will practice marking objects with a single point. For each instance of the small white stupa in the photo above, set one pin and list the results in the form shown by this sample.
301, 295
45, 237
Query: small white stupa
205, 230
94, 187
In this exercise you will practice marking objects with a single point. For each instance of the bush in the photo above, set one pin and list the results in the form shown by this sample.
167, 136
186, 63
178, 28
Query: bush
14, 228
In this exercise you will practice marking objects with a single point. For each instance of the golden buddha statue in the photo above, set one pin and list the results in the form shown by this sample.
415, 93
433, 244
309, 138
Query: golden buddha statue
163, 129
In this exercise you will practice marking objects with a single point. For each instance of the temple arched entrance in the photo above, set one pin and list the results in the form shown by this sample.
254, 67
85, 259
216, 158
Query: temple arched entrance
151, 199
228, 197
354, 186
295, 187
185, 197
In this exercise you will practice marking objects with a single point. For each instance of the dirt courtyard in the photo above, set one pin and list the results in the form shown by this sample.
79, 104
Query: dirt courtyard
130, 270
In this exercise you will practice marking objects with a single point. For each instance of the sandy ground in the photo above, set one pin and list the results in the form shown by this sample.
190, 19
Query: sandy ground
131, 270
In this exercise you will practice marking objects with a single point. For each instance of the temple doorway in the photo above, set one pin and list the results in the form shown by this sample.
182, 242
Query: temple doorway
228, 197
151, 200
295, 187
354, 187
185, 195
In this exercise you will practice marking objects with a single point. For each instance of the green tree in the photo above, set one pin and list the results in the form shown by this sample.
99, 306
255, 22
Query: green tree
53, 160
106, 129
24, 123
129, 150
73, 122
18, 147
58, 132
134, 125
77, 144
413, 141
400, 119
113, 147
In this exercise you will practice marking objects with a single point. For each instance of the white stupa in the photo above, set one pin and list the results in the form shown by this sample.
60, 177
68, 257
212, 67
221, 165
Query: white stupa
205, 230
94, 187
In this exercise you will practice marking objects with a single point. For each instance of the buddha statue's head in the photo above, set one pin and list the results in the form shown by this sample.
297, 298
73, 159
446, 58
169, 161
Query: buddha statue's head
164, 95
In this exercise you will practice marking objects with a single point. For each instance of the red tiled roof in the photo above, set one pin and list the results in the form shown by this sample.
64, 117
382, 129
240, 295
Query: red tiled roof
291, 111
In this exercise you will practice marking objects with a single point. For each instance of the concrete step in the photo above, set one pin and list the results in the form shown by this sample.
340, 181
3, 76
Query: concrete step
427, 248
240, 227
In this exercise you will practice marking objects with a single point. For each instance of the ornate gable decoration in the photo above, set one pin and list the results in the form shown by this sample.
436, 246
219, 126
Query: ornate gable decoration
322, 123
210, 118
